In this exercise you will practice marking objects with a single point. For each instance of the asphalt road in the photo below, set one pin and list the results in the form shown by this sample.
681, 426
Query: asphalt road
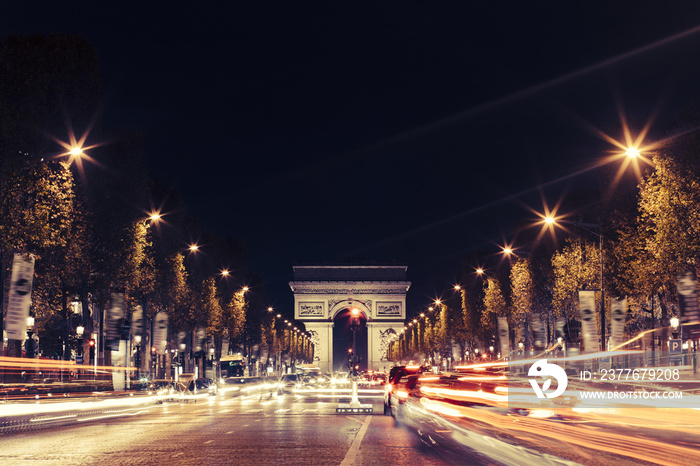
279, 430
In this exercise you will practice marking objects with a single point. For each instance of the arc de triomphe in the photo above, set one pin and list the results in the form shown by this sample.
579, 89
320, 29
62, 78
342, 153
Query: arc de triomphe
321, 292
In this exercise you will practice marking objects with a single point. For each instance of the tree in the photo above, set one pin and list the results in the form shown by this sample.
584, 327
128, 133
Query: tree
39, 215
669, 215
176, 294
235, 315
494, 306
522, 295
575, 268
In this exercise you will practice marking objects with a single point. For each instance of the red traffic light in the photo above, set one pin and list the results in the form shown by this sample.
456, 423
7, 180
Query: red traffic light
92, 342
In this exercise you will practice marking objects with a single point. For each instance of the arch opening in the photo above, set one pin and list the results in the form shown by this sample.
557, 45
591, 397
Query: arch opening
343, 339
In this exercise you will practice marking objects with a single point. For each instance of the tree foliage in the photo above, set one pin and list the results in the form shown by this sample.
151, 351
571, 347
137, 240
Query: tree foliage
576, 267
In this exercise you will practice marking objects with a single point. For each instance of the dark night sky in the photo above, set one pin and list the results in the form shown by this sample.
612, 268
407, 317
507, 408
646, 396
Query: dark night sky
380, 130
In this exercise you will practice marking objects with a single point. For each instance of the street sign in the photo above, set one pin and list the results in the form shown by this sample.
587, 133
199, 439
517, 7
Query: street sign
675, 346
78, 359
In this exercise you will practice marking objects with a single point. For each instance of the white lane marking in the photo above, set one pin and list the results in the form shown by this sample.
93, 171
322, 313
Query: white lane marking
354, 418
355, 447
310, 410
230, 431
208, 441
283, 410
253, 411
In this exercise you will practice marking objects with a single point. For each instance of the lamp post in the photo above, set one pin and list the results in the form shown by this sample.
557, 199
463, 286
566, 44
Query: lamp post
29, 345
674, 325
137, 340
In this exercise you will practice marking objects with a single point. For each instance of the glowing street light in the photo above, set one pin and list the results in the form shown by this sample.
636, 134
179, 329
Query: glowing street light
632, 152
193, 247
225, 273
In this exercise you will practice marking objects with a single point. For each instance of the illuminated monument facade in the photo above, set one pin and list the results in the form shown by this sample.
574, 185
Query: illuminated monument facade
323, 292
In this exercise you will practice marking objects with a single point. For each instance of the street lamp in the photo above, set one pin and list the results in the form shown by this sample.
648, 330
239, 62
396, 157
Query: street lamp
30, 344
137, 340
674, 324
354, 327
632, 152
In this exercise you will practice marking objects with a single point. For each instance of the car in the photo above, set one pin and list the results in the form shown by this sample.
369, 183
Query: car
163, 389
395, 375
246, 386
202, 385
400, 392
287, 383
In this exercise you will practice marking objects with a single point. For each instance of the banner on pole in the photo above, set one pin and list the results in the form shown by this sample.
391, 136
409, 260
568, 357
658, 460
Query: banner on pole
504, 337
200, 336
538, 332
586, 300
224, 346
182, 340
20, 298
137, 322
688, 304
114, 321
617, 327
160, 332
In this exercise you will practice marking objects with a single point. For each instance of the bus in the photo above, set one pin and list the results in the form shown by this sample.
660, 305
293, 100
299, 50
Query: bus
232, 365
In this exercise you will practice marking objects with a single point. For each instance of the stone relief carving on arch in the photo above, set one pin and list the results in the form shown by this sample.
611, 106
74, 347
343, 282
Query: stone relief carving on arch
389, 309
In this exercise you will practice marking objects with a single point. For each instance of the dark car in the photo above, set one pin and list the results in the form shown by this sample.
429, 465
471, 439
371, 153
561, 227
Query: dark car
395, 374
202, 385
400, 393
287, 383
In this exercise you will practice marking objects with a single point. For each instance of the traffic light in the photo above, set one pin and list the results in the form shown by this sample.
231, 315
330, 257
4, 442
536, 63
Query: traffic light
30, 346
92, 350
125, 329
